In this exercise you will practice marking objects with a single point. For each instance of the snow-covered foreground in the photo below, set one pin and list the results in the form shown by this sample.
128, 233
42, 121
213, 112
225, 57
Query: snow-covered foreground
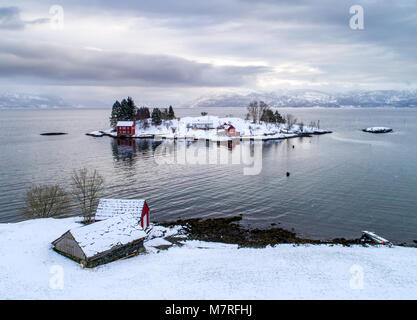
30, 269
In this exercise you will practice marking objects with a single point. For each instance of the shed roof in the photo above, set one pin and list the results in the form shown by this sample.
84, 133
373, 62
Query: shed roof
125, 123
108, 208
105, 235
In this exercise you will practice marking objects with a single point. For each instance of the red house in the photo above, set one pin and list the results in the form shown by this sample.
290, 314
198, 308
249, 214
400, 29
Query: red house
231, 130
125, 128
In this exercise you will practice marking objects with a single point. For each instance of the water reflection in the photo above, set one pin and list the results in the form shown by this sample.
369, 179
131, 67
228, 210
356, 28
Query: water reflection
126, 151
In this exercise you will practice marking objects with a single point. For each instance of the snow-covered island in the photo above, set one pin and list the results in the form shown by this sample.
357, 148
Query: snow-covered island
215, 128
377, 130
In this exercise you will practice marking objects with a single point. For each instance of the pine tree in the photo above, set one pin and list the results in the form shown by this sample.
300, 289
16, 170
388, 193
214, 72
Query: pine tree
164, 114
123, 115
171, 114
115, 114
278, 117
156, 117
267, 115
130, 109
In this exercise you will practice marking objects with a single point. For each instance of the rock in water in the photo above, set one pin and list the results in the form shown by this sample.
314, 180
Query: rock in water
53, 133
377, 130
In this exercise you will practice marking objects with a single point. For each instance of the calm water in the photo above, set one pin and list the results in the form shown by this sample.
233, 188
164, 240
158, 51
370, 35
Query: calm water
340, 183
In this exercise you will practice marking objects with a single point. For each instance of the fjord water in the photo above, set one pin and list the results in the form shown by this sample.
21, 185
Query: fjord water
340, 183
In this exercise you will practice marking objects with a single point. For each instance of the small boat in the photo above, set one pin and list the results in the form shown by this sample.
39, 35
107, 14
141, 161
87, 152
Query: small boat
368, 235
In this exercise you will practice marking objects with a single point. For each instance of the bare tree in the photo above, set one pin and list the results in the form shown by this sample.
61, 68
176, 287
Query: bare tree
87, 189
313, 124
256, 111
290, 120
262, 109
253, 110
44, 201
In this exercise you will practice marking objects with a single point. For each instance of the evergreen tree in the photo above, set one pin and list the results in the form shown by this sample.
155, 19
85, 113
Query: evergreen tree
156, 117
115, 114
164, 114
278, 117
171, 114
267, 115
128, 110
131, 109
123, 115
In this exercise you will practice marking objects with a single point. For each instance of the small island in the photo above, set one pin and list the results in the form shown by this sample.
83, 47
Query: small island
377, 130
261, 124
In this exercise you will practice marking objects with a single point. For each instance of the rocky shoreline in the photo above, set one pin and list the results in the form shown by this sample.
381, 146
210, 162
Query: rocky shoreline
227, 230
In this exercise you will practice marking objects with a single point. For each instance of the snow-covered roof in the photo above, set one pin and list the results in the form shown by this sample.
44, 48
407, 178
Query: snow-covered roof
104, 235
108, 208
228, 126
125, 123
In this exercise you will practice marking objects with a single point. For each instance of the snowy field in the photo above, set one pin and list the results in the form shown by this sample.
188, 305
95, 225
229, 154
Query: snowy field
30, 269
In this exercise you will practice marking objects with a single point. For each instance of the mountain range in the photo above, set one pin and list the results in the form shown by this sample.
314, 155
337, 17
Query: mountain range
31, 101
280, 98
312, 98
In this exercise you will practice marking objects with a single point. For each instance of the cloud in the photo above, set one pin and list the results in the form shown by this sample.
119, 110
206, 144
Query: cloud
10, 19
69, 66
183, 47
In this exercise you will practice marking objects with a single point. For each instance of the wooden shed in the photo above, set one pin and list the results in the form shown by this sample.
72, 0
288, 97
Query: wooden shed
118, 231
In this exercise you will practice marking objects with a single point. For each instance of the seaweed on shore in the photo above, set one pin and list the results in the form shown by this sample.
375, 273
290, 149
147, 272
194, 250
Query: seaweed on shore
226, 230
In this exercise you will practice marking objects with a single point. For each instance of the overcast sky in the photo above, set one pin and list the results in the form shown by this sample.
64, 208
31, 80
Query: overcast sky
164, 51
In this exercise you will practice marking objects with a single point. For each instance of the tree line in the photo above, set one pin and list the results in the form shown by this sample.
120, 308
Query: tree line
126, 110
260, 111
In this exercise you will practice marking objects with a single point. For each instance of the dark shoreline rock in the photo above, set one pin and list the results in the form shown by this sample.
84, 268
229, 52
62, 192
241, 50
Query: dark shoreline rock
227, 231
53, 133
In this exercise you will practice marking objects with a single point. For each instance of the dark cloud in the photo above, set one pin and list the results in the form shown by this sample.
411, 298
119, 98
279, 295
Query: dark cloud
311, 39
90, 67
10, 19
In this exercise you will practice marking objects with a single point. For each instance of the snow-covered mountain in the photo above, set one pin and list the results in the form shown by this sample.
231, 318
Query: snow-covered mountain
30, 101
313, 98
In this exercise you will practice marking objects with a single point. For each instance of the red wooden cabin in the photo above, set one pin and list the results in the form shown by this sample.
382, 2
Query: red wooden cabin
126, 128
